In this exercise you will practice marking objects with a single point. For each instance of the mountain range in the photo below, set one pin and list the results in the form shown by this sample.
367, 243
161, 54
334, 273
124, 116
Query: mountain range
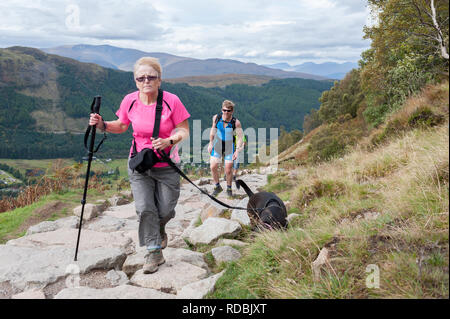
173, 66
45, 103
330, 70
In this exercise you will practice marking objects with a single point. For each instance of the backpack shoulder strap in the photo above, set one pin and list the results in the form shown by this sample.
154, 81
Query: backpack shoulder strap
158, 111
132, 103
218, 117
233, 123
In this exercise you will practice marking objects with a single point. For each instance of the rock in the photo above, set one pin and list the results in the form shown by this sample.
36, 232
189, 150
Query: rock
117, 278
212, 229
26, 268
67, 238
68, 222
127, 194
291, 217
231, 242
194, 205
170, 277
177, 242
187, 232
90, 211
106, 224
42, 227
225, 253
172, 255
119, 292
30, 294
47, 226
127, 211
212, 211
203, 181
321, 260
199, 289
241, 215
192, 215
102, 205
174, 227
118, 201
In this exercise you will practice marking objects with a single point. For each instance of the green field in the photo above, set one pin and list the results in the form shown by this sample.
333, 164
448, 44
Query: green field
49, 165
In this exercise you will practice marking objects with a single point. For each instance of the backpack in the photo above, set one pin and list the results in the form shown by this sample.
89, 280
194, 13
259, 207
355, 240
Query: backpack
233, 121
233, 125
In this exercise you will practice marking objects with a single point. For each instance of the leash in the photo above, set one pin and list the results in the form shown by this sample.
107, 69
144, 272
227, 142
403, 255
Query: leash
168, 160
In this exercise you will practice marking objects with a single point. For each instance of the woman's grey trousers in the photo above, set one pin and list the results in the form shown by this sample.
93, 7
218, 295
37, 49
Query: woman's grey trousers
155, 193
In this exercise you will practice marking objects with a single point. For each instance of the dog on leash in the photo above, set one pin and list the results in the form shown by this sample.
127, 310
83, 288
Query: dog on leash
265, 207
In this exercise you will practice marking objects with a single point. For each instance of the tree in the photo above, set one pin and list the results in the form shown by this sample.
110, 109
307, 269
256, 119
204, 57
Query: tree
408, 50
311, 121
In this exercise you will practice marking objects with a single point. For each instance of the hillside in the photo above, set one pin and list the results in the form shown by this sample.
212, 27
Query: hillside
48, 99
379, 210
367, 187
173, 66
111, 57
222, 81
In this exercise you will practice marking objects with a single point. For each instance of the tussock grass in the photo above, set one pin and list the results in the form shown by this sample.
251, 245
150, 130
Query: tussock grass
386, 206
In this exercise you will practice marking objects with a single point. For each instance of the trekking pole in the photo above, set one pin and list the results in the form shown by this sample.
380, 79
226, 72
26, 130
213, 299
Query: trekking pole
95, 108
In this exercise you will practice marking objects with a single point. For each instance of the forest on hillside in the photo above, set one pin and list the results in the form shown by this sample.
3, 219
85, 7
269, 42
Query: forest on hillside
278, 103
409, 50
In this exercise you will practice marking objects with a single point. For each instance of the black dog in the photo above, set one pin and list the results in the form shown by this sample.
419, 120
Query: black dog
265, 207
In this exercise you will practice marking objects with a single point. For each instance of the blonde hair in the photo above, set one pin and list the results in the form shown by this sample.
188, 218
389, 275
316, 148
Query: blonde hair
150, 61
228, 103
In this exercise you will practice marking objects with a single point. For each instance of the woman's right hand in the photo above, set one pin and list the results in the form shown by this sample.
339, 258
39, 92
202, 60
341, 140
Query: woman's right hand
95, 119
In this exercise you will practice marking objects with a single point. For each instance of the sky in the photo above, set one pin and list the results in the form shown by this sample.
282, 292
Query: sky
259, 31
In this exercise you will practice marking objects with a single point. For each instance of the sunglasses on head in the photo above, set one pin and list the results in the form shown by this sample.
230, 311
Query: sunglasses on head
224, 110
146, 77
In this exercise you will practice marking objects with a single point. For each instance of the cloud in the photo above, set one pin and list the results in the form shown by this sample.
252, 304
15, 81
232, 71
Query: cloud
259, 31
85, 21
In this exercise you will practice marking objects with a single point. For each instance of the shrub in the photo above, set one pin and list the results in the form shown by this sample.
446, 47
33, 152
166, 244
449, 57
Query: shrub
424, 117
375, 114
333, 140
393, 127
320, 188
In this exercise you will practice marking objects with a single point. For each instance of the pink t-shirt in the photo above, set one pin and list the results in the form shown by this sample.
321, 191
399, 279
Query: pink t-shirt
142, 118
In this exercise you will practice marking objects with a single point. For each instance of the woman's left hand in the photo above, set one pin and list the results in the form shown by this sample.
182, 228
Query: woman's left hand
160, 143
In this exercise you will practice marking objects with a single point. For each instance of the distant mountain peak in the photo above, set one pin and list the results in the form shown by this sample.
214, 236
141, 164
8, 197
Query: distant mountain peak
332, 70
173, 66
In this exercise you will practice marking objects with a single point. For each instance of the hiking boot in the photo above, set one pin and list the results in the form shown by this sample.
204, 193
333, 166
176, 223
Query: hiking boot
152, 261
229, 193
217, 190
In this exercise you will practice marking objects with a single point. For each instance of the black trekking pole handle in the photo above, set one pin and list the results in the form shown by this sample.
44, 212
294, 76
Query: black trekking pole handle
95, 108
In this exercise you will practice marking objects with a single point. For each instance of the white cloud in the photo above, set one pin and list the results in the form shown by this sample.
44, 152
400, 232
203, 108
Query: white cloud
259, 31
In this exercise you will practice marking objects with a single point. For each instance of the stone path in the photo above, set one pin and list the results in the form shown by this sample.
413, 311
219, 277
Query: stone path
40, 264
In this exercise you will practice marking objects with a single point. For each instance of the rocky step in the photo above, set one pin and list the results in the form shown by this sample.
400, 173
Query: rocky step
40, 264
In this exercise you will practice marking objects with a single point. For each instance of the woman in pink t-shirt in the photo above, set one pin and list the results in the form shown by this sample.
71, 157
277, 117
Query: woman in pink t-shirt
155, 191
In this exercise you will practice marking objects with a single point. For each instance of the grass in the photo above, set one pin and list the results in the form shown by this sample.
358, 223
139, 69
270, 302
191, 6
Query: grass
13, 222
404, 183
10, 221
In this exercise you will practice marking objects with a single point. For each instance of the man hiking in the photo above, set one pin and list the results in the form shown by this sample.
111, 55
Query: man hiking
224, 127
